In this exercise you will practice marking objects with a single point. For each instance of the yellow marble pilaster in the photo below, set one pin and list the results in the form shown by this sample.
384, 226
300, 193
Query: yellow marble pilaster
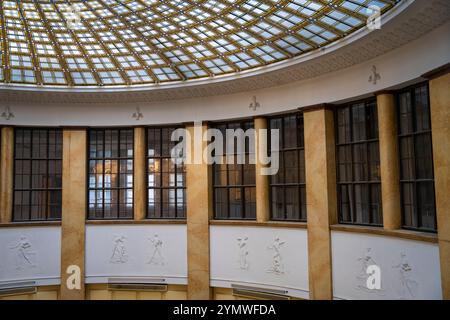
139, 174
439, 85
389, 163
321, 199
6, 174
262, 181
73, 210
199, 211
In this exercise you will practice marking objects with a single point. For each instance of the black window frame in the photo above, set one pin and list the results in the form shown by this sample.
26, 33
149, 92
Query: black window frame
243, 187
353, 182
162, 157
103, 159
31, 159
414, 180
301, 174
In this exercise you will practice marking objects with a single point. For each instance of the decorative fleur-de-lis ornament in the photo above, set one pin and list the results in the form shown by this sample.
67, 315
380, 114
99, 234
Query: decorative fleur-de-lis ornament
254, 104
138, 114
7, 114
375, 76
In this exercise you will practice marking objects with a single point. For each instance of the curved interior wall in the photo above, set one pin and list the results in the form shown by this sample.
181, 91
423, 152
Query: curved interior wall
397, 69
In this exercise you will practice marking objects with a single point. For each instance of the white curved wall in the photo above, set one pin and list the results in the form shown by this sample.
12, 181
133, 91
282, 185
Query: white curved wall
30, 254
398, 67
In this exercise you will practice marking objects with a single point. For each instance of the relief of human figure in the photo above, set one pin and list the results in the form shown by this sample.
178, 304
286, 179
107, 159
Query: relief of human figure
277, 260
157, 257
243, 253
24, 254
365, 261
408, 286
119, 254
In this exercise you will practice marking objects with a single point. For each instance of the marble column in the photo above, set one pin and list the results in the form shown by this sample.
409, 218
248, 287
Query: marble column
73, 214
6, 174
140, 189
321, 200
199, 211
389, 163
262, 181
439, 84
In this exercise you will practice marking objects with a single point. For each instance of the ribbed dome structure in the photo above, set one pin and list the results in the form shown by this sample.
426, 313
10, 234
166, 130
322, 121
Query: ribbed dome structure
130, 42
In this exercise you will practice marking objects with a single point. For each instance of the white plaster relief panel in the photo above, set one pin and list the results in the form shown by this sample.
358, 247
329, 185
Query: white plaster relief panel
274, 258
408, 269
32, 254
149, 251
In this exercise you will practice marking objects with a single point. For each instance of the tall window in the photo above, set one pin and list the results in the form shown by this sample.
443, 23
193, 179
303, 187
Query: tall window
358, 164
166, 180
111, 173
234, 184
416, 160
37, 174
287, 187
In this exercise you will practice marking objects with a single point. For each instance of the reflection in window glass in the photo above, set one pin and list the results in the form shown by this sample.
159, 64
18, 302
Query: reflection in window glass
234, 184
166, 180
110, 189
287, 187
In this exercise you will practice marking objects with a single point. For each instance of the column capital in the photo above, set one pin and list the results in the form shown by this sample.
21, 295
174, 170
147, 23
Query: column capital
263, 117
315, 107
192, 123
382, 92
74, 128
438, 72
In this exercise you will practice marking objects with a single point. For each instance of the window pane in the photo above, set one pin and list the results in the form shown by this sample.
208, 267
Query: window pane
425, 200
416, 162
37, 174
408, 208
277, 203
292, 203
424, 162
221, 202
165, 179
358, 164
234, 192
110, 174
406, 158
250, 202
287, 199
343, 116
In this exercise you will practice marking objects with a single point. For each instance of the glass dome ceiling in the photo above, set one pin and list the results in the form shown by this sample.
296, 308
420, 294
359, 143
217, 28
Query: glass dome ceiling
127, 42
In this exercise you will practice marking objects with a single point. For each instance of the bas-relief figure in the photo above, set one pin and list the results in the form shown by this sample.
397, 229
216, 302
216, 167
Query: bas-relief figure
25, 257
243, 253
119, 253
157, 257
408, 286
277, 266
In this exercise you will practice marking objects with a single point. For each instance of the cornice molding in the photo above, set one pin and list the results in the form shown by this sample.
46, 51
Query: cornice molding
438, 72
320, 106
